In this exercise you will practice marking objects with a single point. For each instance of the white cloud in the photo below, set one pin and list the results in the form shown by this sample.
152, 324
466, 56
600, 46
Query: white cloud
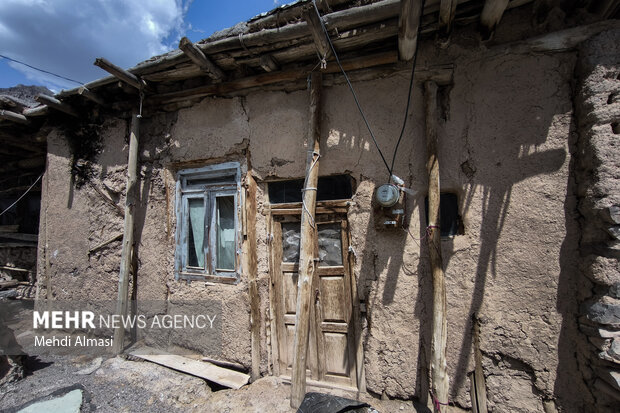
65, 36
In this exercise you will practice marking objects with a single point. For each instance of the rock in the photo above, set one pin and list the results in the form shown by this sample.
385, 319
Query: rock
614, 231
604, 311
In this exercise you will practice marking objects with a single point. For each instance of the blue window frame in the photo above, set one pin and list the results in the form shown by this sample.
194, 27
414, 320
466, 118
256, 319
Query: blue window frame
208, 234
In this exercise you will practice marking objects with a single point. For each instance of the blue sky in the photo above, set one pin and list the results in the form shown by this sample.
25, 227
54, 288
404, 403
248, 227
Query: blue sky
65, 36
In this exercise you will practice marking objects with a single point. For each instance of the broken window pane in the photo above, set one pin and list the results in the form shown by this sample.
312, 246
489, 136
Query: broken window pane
330, 245
225, 226
291, 236
196, 256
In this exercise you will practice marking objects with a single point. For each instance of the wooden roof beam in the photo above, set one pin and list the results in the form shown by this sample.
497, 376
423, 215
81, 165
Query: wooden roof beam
56, 104
408, 28
316, 28
120, 73
268, 63
93, 97
201, 60
10, 102
491, 15
447, 11
13, 117
40, 110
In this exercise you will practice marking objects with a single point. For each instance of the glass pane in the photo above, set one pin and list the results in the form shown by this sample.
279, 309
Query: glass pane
225, 226
291, 235
196, 236
330, 245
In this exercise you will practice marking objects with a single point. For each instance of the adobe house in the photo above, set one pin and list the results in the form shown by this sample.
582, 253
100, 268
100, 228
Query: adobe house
514, 105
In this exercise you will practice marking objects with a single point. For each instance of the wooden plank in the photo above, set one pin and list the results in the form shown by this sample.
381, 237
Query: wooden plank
200, 59
56, 104
120, 73
268, 63
408, 28
202, 369
93, 97
252, 251
439, 374
491, 15
447, 11
224, 363
13, 117
128, 232
315, 26
306, 255
274, 77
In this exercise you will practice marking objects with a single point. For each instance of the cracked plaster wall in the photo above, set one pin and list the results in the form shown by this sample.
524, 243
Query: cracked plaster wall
505, 149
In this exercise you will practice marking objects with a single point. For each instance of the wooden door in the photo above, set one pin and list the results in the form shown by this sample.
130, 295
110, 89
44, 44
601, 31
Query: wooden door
331, 349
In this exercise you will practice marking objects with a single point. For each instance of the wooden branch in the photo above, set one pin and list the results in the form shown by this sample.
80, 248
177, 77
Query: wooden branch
120, 73
103, 244
13, 117
9, 101
447, 11
56, 104
252, 257
4, 267
306, 253
107, 199
93, 97
439, 374
37, 111
274, 77
128, 233
200, 59
268, 63
491, 15
408, 26
316, 29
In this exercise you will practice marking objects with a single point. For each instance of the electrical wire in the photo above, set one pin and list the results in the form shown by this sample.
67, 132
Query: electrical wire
41, 70
331, 45
23, 195
411, 82
415, 57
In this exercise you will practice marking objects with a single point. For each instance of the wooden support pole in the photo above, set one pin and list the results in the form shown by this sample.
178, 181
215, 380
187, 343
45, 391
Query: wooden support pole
127, 251
439, 374
252, 256
56, 104
305, 294
408, 26
447, 11
13, 117
316, 28
83, 91
120, 73
491, 15
200, 59
268, 63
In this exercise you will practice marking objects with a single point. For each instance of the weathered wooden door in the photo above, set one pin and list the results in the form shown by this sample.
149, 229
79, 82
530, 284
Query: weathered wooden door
332, 348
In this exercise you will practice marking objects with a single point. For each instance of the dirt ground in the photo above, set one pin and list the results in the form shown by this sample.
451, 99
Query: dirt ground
121, 385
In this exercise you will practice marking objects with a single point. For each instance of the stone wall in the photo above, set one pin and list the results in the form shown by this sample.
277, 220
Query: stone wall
598, 114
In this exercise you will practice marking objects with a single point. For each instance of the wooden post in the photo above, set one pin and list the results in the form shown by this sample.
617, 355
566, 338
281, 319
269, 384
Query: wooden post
126, 254
478, 388
252, 275
305, 294
408, 27
439, 374
316, 28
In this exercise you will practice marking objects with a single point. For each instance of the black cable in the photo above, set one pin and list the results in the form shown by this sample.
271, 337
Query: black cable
350, 87
415, 56
41, 70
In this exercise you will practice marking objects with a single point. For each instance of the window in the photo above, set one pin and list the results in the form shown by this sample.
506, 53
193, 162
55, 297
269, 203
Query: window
328, 188
450, 220
207, 222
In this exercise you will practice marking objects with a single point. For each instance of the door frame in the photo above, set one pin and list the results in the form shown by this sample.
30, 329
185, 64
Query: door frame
322, 208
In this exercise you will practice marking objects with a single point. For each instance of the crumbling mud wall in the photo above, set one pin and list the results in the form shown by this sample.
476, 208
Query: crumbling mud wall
598, 112
505, 137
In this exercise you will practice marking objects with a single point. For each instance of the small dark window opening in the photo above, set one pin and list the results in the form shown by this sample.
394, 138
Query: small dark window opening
449, 217
329, 188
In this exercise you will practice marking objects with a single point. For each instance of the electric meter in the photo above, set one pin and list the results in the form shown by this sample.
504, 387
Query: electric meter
387, 195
